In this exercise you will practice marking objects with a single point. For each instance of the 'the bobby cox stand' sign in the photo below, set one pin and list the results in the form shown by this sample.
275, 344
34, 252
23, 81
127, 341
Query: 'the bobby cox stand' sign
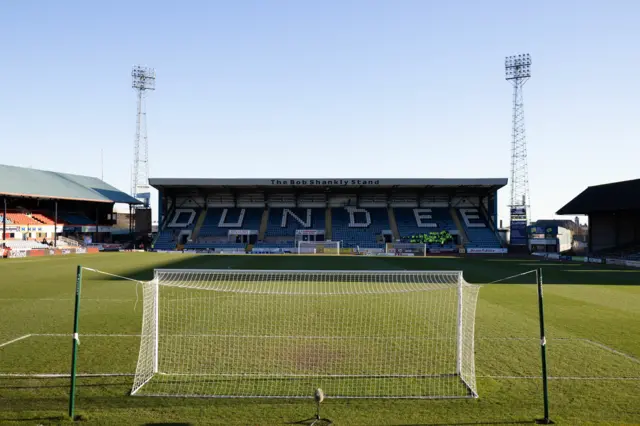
327, 182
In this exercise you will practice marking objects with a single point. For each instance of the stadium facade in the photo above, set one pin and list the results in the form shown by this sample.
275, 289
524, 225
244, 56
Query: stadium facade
614, 217
364, 215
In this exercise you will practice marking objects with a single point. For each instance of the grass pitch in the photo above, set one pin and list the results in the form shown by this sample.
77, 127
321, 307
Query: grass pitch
593, 331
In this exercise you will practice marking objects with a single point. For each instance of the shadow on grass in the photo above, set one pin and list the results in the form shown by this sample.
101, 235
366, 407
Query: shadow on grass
167, 424
511, 422
66, 386
55, 419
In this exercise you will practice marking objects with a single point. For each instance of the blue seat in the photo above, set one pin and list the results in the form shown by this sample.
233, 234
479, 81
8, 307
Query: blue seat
274, 223
363, 237
479, 237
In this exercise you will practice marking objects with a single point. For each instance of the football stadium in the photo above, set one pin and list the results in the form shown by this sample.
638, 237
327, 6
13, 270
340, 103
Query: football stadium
398, 300
202, 294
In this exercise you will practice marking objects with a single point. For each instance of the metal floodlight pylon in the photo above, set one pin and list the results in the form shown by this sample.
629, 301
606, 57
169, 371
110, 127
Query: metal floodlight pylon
143, 79
517, 72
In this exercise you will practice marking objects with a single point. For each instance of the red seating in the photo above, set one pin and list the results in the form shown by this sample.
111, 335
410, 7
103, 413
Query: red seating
22, 219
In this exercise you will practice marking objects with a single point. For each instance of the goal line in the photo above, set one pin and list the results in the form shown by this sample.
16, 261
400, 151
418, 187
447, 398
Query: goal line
631, 376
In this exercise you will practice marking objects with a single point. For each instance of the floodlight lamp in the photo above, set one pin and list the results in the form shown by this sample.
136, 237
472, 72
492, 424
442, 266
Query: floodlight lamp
518, 66
143, 78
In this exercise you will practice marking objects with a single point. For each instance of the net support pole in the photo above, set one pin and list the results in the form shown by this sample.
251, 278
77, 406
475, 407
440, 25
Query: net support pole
543, 351
459, 330
74, 353
55, 224
156, 299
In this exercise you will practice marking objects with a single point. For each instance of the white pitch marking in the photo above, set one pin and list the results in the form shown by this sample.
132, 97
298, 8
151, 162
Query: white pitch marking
63, 375
15, 340
610, 349
64, 300
560, 377
83, 335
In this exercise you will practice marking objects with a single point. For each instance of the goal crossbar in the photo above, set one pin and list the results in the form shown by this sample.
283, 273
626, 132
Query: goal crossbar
282, 333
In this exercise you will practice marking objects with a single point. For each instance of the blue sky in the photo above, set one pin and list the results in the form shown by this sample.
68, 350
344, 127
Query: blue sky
325, 89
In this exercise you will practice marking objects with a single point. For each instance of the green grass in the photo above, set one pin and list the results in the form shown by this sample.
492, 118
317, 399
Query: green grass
593, 331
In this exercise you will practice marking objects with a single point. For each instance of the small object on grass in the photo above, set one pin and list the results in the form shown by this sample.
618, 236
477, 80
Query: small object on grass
318, 395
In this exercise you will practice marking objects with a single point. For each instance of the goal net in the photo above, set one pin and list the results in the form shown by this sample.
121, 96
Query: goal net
415, 249
354, 334
319, 247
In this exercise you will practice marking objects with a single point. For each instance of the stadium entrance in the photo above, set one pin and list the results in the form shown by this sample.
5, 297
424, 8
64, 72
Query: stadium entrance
310, 235
242, 236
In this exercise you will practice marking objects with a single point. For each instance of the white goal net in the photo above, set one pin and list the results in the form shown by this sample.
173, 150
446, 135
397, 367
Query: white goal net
319, 247
355, 334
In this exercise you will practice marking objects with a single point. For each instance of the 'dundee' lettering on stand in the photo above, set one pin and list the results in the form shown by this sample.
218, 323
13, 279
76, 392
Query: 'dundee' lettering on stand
352, 217
305, 223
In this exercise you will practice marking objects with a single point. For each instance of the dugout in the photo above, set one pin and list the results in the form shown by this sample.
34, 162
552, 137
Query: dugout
40, 205
614, 214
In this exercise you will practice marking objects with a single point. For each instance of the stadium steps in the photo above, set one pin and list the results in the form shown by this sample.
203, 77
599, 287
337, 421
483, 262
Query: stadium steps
327, 224
463, 233
480, 236
42, 219
199, 222
163, 226
485, 215
264, 223
393, 224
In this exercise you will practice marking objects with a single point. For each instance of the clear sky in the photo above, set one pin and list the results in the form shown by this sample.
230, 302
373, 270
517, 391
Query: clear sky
366, 89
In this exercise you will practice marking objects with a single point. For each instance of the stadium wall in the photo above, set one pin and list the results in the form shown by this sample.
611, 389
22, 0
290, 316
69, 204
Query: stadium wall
612, 230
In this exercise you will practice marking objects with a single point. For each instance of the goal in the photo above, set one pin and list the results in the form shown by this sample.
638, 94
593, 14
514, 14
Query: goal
415, 249
319, 247
355, 334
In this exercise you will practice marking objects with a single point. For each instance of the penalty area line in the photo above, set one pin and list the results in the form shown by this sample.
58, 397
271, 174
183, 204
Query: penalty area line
558, 378
49, 299
612, 350
15, 340
61, 375
83, 335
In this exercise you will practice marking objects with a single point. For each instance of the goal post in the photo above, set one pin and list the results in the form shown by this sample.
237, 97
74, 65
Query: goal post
415, 249
319, 247
281, 334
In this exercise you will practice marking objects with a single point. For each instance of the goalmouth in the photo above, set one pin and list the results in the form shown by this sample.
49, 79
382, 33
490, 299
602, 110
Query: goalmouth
319, 247
282, 334
404, 249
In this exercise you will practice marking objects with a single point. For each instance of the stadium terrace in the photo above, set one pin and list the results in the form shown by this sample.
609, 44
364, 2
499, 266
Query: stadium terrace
42, 210
339, 216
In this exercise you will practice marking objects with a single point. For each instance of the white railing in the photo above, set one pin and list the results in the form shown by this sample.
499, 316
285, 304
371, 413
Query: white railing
68, 241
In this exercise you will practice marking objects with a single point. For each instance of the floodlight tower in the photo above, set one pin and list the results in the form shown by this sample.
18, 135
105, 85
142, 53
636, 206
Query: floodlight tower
517, 72
143, 79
